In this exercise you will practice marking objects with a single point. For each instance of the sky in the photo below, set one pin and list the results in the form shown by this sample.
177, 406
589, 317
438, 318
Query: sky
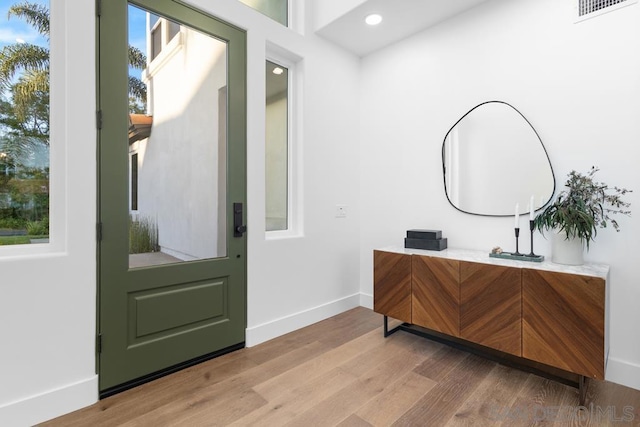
137, 33
137, 28
14, 29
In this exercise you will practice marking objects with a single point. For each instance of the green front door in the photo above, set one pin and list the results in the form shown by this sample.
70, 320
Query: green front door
172, 144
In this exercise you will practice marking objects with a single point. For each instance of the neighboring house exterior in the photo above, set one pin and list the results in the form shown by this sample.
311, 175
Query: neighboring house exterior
178, 151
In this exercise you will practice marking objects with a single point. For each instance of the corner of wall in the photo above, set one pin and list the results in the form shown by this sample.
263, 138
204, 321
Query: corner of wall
327, 11
366, 300
623, 372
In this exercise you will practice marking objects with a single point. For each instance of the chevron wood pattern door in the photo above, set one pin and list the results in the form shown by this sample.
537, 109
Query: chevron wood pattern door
491, 306
436, 294
392, 285
564, 321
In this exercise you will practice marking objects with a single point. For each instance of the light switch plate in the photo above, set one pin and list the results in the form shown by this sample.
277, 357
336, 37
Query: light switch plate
341, 211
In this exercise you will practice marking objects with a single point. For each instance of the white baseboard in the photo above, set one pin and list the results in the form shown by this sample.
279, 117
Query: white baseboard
275, 328
366, 300
51, 404
623, 372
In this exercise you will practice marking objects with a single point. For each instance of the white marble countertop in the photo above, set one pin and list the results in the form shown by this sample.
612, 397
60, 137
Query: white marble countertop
595, 270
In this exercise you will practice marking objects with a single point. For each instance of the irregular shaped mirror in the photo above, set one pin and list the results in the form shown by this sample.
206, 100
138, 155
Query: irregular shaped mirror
492, 158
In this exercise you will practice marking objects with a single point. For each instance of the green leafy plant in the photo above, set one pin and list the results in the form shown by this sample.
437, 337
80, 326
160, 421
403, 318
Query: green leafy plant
143, 235
583, 208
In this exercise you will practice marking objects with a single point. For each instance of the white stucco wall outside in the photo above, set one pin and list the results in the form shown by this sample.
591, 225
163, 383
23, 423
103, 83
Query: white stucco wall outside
178, 163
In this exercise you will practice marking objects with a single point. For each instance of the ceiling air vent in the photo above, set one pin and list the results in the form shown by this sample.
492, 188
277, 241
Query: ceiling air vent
590, 8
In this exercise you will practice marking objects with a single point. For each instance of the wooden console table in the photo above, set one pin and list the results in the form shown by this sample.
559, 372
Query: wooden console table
547, 318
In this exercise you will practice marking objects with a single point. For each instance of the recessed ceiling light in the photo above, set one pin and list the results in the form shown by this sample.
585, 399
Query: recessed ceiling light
277, 71
373, 19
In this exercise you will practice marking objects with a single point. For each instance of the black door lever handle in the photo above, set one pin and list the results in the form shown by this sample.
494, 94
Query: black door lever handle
238, 227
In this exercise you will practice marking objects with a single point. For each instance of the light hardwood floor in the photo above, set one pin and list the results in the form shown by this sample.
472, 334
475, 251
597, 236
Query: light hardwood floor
342, 372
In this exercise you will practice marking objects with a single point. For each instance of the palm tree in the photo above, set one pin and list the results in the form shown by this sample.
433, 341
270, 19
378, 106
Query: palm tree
137, 89
33, 61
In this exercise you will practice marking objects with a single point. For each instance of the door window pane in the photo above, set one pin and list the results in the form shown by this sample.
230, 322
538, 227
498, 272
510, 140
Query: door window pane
179, 149
277, 147
24, 123
274, 9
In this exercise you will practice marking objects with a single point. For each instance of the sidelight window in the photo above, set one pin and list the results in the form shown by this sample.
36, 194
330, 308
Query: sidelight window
277, 150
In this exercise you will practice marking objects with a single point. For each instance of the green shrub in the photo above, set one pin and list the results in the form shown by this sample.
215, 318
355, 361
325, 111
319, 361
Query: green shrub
13, 223
38, 228
143, 235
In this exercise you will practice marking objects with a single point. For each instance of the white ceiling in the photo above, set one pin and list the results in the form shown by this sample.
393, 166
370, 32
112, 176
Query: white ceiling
401, 18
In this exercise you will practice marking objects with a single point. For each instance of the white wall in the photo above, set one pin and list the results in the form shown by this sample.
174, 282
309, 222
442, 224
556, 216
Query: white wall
47, 303
577, 84
48, 292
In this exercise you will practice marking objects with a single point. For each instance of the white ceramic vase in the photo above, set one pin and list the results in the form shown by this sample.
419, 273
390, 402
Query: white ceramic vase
566, 251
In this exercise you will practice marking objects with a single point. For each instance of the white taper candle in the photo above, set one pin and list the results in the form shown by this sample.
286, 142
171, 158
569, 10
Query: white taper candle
531, 209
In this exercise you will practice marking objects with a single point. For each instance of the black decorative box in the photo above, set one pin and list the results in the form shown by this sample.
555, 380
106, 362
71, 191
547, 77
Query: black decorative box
429, 244
424, 234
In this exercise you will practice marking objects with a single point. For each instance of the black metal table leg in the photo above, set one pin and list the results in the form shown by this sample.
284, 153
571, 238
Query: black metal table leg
386, 326
388, 332
582, 389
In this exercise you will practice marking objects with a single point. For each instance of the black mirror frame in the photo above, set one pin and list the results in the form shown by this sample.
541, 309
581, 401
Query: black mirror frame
444, 171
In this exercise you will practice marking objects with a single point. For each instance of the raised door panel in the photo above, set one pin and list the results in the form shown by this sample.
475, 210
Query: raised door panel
436, 294
491, 306
392, 285
564, 321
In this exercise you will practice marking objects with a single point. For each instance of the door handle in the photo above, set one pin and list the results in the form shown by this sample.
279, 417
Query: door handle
238, 227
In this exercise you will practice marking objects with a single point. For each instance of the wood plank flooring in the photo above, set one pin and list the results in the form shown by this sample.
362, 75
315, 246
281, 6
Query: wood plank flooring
342, 372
